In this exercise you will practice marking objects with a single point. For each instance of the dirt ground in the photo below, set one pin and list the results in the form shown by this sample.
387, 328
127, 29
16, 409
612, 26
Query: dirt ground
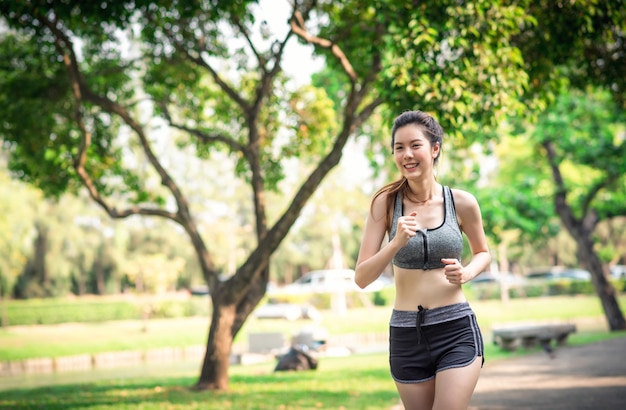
577, 378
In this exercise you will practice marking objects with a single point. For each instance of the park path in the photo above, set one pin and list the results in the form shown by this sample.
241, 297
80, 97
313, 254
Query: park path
589, 377
592, 376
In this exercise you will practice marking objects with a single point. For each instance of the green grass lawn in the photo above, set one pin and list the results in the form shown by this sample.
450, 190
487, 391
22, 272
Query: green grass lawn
22, 342
353, 382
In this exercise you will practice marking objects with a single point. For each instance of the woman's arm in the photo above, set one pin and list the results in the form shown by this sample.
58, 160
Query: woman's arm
471, 223
372, 258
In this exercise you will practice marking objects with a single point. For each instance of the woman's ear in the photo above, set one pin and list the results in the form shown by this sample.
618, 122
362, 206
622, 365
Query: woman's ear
436, 150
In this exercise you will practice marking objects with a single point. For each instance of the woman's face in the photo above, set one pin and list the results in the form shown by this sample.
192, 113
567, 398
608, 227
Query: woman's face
413, 152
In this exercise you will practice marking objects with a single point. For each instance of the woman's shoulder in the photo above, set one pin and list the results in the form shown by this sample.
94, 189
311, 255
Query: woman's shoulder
463, 199
380, 203
381, 198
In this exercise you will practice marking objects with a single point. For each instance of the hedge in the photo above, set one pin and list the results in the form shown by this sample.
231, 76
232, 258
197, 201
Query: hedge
486, 291
95, 309
100, 309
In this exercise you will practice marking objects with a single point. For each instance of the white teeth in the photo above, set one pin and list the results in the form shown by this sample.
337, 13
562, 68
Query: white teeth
410, 165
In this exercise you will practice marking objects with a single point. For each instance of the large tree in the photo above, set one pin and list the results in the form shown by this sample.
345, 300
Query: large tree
586, 132
83, 110
578, 45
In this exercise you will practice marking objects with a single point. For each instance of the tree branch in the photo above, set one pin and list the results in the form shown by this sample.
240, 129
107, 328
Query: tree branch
595, 189
262, 60
367, 111
560, 199
199, 61
203, 136
81, 93
265, 85
297, 26
352, 121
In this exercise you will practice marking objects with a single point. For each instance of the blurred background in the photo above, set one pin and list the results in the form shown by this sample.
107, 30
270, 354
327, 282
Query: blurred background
163, 161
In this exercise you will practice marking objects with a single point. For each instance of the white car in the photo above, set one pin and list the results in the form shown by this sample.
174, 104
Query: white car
618, 271
287, 311
332, 280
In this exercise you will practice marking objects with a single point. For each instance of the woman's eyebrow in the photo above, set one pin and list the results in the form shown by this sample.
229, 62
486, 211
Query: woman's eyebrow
416, 140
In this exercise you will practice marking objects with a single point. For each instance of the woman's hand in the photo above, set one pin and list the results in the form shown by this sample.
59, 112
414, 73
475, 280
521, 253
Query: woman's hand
454, 271
406, 229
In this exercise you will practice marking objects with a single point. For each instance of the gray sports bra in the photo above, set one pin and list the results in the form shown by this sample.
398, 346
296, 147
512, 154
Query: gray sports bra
425, 250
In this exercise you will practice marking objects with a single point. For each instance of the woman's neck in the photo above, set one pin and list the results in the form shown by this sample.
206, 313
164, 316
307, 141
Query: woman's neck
422, 192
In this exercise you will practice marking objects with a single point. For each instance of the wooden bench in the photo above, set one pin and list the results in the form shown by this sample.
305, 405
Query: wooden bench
509, 337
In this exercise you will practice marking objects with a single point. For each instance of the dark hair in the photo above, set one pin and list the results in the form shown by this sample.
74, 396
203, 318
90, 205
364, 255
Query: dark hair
431, 128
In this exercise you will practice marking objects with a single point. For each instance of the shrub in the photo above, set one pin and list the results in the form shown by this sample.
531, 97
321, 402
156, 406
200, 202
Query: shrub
488, 291
99, 309
379, 299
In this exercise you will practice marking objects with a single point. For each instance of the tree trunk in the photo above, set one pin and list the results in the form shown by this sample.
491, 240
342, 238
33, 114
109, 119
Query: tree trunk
227, 320
214, 373
589, 259
604, 289
583, 234
98, 270
581, 229
39, 259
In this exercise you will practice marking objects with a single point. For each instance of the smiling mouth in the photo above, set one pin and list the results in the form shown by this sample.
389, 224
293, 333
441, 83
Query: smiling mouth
410, 166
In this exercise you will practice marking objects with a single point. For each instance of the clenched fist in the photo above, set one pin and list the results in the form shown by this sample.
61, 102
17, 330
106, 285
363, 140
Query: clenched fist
454, 271
407, 228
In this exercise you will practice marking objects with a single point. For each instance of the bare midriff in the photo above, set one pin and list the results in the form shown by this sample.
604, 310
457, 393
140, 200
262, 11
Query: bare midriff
428, 288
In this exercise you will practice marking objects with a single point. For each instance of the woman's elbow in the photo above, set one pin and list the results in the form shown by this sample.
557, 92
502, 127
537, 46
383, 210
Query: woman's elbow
486, 258
360, 281
361, 284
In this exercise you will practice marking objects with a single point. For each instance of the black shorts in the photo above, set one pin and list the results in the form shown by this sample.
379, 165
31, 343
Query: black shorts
425, 342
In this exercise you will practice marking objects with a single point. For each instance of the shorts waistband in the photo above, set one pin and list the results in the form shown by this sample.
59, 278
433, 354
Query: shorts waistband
408, 318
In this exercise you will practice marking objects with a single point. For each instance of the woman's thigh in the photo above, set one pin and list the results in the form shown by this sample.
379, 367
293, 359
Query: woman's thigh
417, 396
454, 387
